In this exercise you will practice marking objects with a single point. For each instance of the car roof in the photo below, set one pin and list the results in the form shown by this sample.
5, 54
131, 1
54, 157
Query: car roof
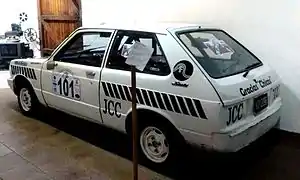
157, 27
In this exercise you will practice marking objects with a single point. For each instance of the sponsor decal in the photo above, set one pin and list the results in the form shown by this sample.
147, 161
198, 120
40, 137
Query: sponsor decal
256, 86
21, 63
180, 84
183, 70
112, 108
235, 113
35, 63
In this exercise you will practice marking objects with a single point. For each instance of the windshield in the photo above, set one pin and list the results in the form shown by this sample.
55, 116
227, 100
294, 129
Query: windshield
218, 53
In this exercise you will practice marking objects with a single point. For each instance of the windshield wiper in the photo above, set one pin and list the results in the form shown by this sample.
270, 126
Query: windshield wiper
248, 68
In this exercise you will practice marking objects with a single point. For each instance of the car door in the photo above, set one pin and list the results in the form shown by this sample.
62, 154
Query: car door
73, 83
115, 93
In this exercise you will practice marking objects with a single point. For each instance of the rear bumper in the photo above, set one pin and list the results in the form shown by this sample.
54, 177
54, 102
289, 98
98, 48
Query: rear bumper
236, 139
232, 143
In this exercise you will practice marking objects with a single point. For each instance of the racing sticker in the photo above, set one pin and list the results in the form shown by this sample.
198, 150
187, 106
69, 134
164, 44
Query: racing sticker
66, 85
183, 70
218, 49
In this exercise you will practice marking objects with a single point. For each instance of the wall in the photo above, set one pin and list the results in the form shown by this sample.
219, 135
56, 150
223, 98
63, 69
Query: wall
269, 28
10, 14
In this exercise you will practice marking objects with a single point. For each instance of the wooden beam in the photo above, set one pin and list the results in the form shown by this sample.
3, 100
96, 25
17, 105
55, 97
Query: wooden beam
41, 34
59, 18
47, 28
79, 24
76, 4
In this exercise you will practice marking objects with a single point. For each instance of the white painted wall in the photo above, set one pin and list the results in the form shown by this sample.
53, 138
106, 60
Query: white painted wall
269, 28
10, 11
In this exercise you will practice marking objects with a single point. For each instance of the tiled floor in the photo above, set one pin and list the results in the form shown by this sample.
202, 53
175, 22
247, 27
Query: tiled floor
55, 146
31, 149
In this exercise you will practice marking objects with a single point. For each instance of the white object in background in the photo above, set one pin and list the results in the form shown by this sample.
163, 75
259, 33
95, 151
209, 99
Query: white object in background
4, 75
139, 55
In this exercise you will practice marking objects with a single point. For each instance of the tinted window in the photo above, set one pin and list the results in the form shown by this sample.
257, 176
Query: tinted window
157, 64
85, 48
218, 53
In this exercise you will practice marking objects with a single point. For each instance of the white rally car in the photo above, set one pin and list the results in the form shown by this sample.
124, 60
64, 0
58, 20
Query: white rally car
200, 86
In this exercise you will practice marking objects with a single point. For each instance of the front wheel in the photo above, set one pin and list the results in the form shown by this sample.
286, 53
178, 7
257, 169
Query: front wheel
27, 101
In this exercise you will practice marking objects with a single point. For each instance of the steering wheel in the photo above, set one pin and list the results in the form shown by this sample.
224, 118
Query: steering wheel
90, 49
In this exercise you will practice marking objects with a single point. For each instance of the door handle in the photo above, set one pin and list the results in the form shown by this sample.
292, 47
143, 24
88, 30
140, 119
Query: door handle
90, 73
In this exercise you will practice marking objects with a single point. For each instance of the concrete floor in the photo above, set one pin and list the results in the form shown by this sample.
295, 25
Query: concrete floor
58, 146
4, 75
31, 149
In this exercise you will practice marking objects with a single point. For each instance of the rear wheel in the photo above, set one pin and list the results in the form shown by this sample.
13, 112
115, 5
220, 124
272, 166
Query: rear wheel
159, 144
154, 144
27, 100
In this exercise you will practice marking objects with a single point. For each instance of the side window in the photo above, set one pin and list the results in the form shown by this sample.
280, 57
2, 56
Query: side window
157, 65
85, 48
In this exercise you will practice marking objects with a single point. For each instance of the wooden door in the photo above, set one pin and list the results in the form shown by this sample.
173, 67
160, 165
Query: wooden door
57, 19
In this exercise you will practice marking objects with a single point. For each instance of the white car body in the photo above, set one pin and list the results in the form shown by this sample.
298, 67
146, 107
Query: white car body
199, 107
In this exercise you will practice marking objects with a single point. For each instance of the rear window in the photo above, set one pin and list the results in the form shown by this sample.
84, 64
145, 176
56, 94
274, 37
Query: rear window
218, 53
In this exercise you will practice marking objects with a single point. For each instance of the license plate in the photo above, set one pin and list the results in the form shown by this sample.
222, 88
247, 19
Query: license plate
260, 103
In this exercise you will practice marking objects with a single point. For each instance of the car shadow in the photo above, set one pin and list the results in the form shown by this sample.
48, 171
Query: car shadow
195, 163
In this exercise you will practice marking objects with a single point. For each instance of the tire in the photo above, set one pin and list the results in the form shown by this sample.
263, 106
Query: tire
27, 100
159, 144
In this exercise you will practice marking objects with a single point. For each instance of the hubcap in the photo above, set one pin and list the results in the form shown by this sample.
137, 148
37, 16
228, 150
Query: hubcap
154, 144
25, 99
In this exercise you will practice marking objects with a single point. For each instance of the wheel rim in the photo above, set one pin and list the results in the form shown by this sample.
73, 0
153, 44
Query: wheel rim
25, 99
154, 144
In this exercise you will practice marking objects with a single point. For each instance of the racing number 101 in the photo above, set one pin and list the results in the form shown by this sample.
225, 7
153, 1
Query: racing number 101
65, 86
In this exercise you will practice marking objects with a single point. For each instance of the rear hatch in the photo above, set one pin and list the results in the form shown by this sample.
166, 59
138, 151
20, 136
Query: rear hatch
237, 88
245, 85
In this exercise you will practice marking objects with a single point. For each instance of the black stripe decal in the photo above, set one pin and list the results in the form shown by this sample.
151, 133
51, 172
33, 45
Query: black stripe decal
121, 92
139, 96
105, 89
137, 99
152, 98
116, 91
191, 107
110, 90
155, 99
182, 105
127, 93
13, 70
22, 70
19, 70
167, 102
33, 71
147, 101
160, 101
26, 72
199, 108
174, 103
29, 74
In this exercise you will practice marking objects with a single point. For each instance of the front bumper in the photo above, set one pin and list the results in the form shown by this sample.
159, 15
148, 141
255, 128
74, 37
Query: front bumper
236, 139
10, 83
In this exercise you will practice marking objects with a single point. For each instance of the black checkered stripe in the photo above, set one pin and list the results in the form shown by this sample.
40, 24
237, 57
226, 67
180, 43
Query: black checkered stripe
174, 103
27, 72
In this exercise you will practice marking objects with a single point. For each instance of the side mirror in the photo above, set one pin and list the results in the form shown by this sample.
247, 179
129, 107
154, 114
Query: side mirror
51, 65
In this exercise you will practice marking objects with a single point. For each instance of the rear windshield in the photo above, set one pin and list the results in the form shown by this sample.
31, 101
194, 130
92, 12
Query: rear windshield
218, 53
